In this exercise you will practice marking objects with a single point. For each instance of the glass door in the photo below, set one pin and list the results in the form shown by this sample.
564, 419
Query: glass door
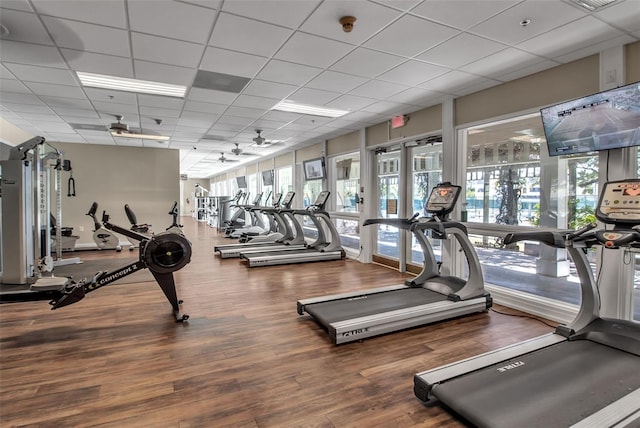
427, 172
389, 203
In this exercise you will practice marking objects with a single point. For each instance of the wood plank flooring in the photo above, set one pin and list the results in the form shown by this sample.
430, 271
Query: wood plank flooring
244, 359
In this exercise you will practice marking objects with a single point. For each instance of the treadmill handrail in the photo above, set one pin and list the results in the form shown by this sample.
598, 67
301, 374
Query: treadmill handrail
401, 223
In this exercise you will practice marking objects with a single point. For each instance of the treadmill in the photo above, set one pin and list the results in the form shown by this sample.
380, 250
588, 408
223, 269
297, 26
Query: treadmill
320, 249
585, 374
428, 298
288, 239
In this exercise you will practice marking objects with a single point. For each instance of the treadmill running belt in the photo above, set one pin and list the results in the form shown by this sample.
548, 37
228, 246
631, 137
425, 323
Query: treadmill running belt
556, 386
371, 304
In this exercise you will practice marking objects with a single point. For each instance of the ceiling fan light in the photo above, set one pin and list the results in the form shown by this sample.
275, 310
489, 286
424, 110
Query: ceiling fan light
130, 85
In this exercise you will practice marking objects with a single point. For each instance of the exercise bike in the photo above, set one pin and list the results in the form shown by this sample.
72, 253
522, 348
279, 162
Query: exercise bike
104, 239
162, 253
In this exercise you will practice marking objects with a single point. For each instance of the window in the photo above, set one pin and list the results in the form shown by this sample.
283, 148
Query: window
388, 204
284, 179
511, 182
346, 170
427, 172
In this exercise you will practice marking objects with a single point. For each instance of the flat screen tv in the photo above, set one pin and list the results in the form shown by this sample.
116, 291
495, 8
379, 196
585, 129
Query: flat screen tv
343, 169
602, 121
267, 178
314, 169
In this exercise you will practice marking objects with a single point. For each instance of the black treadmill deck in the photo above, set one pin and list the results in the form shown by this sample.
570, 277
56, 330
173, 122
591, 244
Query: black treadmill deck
371, 304
556, 386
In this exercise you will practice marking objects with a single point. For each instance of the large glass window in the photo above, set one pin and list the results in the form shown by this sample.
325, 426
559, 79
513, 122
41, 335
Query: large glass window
388, 165
346, 170
511, 182
284, 179
427, 172
252, 184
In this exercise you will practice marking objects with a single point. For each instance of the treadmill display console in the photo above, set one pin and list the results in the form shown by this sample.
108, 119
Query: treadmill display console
620, 202
442, 199
321, 200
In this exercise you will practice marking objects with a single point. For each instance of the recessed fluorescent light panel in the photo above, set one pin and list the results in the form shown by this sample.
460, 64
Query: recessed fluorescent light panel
131, 85
140, 136
294, 107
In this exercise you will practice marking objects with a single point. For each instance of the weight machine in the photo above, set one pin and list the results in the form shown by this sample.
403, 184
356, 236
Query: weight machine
26, 218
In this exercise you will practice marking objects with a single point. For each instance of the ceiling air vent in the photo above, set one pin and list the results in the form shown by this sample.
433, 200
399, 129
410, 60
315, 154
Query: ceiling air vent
593, 5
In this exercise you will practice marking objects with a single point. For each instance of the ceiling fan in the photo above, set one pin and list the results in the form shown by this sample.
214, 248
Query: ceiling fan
260, 141
119, 129
223, 159
238, 151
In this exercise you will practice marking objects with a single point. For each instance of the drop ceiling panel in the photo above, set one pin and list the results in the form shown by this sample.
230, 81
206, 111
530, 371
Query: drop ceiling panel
370, 17
68, 102
336, 82
624, 16
112, 109
505, 27
367, 62
413, 72
24, 27
164, 73
378, 89
13, 86
350, 102
159, 101
27, 108
312, 50
313, 96
98, 63
171, 19
211, 96
452, 82
88, 37
55, 90
201, 107
252, 113
388, 108
287, 72
166, 51
32, 73
268, 89
231, 32
112, 11
460, 50
596, 48
410, 35
157, 112
255, 102
461, 14
230, 62
109, 96
20, 99
569, 37
507, 60
26, 53
22, 5
415, 96
288, 13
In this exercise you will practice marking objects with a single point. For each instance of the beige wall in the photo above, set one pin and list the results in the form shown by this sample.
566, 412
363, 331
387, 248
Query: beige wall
632, 62
12, 135
284, 160
344, 144
145, 178
560, 83
309, 152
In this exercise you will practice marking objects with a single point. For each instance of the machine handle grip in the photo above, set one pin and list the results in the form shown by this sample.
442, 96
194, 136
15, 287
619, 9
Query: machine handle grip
553, 239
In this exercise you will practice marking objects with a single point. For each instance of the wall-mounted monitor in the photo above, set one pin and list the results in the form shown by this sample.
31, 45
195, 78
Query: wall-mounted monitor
602, 121
241, 181
267, 178
343, 169
314, 169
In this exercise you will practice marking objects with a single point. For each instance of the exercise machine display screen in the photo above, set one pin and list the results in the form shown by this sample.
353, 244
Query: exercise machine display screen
620, 202
442, 199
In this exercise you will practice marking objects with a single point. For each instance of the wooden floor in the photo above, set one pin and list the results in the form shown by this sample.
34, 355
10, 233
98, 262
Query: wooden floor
244, 359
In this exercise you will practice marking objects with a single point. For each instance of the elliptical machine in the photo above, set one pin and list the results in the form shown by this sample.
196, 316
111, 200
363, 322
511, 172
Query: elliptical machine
104, 239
